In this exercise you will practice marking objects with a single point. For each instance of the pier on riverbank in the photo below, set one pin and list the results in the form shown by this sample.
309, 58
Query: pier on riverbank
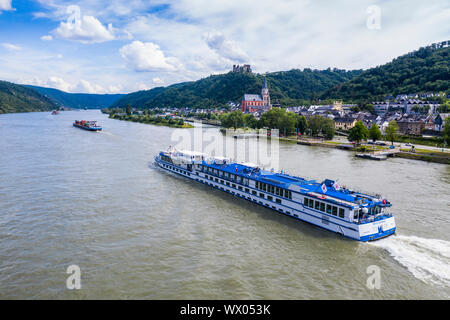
381, 154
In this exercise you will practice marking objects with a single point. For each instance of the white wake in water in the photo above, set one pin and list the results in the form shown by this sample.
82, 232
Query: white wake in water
427, 259
106, 133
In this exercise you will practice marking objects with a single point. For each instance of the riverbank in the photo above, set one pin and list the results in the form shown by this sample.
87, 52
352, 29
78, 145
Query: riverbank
205, 121
425, 155
159, 121
418, 154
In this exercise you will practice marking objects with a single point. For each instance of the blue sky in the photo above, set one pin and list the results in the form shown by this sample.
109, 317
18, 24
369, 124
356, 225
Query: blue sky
120, 46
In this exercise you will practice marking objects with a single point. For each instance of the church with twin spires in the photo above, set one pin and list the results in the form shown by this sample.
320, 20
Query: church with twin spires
255, 102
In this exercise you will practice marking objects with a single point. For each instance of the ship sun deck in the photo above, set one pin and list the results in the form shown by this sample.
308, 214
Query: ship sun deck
307, 187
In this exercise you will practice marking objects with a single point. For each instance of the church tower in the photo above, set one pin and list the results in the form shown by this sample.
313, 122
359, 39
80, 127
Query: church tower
265, 95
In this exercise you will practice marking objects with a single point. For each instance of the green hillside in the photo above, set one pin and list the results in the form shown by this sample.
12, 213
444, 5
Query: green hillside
286, 87
17, 98
424, 70
78, 100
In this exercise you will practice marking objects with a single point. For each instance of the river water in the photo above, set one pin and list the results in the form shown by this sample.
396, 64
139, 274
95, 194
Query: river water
73, 197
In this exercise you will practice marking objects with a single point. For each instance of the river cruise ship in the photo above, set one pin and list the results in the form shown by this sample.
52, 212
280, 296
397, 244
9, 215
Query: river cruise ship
352, 214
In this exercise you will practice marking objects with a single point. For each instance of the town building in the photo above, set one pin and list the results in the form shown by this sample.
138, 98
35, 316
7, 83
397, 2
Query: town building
411, 127
380, 107
439, 121
255, 102
406, 105
345, 123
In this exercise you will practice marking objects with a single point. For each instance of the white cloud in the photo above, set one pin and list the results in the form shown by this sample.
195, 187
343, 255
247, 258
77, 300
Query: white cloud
51, 82
11, 46
86, 87
47, 38
142, 86
185, 42
6, 5
58, 83
114, 89
157, 80
82, 86
224, 47
200, 39
147, 56
87, 29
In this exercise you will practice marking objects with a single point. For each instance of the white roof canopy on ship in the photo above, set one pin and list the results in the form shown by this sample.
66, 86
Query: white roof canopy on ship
192, 153
219, 158
249, 164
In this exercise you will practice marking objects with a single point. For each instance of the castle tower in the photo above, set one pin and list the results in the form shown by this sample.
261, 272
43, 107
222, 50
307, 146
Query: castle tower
337, 105
265, 95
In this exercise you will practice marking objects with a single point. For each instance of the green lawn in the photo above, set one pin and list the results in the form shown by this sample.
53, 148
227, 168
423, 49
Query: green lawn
426, 151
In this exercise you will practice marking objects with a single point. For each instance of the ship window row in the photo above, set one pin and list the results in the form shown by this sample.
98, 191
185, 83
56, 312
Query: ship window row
324, 207
262, 195
226, 183
176, 169
246, 197
375, 210
273, 190
270, 198
223, 174
166, 159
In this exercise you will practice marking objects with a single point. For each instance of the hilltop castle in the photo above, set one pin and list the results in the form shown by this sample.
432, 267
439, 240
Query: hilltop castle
255, 102
242, 69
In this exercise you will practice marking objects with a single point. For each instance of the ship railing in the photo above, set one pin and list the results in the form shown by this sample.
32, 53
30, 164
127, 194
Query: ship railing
285, 173
366, 193
372, 218
357, 191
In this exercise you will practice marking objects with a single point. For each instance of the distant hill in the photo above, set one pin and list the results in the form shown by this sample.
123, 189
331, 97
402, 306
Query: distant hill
78, 100
424, 70
17, 98
286, 87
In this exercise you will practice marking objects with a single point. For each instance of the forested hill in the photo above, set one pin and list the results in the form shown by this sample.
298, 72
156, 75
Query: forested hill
17, 98
424, 70
78, 100
286, 87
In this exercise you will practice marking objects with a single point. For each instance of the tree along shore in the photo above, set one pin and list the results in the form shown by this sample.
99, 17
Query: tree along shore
155, 120
317, 130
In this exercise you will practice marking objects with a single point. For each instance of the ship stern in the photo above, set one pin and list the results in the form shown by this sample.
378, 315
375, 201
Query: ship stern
377, 229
